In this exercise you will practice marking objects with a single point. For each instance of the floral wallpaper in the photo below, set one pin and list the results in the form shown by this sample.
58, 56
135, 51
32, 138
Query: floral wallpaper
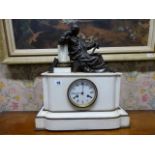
21, 86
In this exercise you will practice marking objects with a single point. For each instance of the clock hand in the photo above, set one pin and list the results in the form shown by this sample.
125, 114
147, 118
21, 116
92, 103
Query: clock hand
89, 96
82, 88
76, 96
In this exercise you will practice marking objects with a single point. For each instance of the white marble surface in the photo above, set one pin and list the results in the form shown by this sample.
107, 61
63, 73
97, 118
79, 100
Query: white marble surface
81, 74
82, 120
61, 69
55, 90
63, 54
59, 114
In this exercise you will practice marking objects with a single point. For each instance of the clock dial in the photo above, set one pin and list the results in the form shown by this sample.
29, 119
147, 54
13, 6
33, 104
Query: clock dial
82, 93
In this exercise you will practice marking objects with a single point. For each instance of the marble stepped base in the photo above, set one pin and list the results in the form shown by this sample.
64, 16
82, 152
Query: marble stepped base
82, 120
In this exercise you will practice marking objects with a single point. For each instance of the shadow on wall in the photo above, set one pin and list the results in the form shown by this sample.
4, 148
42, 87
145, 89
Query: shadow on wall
30, 72
24, 72
131, 66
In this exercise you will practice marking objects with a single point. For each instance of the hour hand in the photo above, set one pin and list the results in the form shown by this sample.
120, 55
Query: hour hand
89, 96
76, 96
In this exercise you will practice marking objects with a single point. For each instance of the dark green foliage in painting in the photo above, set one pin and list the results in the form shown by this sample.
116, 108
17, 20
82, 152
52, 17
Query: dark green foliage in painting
44, 34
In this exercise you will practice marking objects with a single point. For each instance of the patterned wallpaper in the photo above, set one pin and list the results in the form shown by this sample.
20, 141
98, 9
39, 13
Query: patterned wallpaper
21, 86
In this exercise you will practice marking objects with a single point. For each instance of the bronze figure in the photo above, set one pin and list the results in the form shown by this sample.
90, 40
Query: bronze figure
81, 59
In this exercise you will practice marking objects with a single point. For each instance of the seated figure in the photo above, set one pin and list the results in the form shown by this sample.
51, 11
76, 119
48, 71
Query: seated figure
77, 48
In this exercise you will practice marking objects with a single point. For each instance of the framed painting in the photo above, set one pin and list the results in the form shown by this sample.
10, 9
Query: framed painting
35, 40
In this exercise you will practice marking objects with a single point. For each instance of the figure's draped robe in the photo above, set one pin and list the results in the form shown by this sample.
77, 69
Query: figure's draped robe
78, 52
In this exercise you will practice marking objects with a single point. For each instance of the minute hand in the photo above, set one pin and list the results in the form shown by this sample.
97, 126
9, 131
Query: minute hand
82, 90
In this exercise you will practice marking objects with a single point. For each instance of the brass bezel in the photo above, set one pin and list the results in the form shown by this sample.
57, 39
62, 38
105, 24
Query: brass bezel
90, 103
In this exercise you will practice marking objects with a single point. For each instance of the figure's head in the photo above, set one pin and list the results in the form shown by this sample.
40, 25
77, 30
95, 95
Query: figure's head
75, 29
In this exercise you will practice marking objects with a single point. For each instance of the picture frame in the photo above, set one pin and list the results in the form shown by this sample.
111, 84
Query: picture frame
10, 55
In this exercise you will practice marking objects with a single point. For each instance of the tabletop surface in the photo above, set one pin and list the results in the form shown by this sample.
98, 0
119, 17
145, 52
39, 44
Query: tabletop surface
23, 123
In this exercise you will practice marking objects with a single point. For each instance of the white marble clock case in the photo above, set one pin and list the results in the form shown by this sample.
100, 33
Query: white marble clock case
58, 113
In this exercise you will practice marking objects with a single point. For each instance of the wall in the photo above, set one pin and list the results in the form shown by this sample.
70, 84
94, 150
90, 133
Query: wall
21, 86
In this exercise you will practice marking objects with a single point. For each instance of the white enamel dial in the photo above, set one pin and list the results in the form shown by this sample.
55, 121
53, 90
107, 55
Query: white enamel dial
82, 93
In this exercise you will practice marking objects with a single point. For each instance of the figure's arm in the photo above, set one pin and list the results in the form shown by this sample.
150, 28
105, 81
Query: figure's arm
91, 45
64, 38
